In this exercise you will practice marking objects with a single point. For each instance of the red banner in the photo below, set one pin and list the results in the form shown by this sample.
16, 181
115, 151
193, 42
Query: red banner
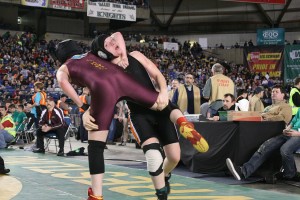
64, 4
261, 1
263, 59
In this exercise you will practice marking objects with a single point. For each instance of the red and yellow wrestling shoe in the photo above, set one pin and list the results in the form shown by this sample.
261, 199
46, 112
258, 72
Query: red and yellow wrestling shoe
92, 196
188, 131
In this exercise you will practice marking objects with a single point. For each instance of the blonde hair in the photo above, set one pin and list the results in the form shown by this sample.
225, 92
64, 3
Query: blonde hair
39, 85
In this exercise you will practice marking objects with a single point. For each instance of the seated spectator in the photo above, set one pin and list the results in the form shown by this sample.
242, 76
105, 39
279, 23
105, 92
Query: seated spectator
20, 118
228, 104
255, 103
279, 110
288, 142
7, 128
52, 120
61, 103
3, 170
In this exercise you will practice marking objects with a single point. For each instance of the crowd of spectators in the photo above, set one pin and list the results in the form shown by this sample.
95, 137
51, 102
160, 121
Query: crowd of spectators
25, 60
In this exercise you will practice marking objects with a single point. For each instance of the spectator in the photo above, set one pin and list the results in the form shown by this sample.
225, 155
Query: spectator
255, 102
7, 128
61, 103
294, 99
228, 104
52, 120
279, 110
38, 100
187, 96
20, 118
216, 87
288, 142
174, 85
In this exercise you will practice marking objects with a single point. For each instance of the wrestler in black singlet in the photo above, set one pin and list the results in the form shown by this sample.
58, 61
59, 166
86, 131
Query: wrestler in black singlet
108, 84
148, 123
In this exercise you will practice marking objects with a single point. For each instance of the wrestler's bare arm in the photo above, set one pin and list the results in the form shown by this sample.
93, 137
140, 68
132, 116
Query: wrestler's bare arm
62, 76
163, 98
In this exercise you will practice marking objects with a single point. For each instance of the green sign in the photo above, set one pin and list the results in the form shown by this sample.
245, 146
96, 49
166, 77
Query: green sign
292, 62
273, 36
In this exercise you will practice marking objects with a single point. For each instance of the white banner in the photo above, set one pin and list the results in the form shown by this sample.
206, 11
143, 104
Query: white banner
171, 46
35, 3
111, 11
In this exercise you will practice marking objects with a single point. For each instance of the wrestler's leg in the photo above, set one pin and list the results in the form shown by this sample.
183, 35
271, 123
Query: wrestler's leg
158, 181
172, 152
97, 141
188, 131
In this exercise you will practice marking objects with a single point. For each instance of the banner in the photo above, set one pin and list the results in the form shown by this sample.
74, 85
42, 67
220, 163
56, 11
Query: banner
35, 3
261, 1
270, 36
292, 62
263, 59
171, 46
67, 4
111, 11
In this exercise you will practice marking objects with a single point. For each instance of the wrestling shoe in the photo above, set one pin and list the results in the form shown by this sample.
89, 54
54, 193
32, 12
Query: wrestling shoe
92, 197
236, 171
162, 195
188, 131
167, 183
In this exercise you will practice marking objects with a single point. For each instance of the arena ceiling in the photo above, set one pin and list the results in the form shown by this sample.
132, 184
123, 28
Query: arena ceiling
215, 16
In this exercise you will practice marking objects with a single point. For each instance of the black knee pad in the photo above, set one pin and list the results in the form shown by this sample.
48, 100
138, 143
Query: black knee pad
155, 158
96, 158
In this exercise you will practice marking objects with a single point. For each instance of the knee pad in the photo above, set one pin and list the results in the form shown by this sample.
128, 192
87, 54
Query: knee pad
96, 158
155, 158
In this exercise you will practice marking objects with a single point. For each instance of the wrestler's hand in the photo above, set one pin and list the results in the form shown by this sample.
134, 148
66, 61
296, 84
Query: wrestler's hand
123, 62
162, 100
88, 120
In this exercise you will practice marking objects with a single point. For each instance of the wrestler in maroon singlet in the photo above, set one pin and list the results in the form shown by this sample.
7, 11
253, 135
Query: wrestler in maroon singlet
108, 84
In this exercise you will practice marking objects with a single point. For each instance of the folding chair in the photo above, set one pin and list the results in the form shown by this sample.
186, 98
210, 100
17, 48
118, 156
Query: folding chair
25, 130
52, 136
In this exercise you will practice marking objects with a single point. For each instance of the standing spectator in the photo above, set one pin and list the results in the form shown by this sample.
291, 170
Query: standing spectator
123, 116
216, 87
187, 96
174, 85
52, 120
38, 100
294, 99
86, 99
255, 102
61, 103
7, 128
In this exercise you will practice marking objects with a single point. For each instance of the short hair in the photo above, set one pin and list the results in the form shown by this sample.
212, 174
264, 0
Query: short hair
21, 106
188, 73
39, 85
12, 106
277, 86
297, 81
217, 68
229, 95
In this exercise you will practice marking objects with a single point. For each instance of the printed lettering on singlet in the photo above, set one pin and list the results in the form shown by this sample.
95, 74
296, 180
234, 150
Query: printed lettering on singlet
223, 82
97, 65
